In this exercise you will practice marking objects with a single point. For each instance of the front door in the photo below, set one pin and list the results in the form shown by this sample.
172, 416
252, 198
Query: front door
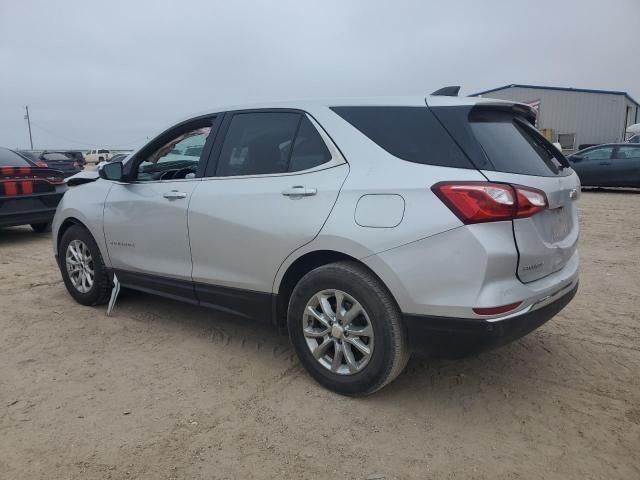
145, 218
593, 166
274, 184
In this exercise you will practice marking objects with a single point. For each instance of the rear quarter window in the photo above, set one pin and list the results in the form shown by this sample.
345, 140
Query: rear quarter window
410, 133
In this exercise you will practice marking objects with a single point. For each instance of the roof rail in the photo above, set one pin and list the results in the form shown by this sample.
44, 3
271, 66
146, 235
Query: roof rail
447, 91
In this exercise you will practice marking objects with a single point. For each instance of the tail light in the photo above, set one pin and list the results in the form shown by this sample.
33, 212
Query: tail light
55, 180
40, 163
478, 202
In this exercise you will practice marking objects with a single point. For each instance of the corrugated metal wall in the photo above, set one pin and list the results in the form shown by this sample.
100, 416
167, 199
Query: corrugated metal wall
593, 117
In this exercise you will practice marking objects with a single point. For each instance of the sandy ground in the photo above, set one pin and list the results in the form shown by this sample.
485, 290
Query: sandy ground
164, 390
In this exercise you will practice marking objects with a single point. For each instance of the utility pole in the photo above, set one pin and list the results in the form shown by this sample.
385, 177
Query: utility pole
26, 117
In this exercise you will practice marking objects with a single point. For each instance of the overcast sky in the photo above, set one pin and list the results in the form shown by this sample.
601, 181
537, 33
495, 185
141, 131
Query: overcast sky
112, 73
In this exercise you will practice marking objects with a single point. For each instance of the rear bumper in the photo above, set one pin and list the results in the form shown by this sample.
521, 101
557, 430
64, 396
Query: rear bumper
456, 337
28, 209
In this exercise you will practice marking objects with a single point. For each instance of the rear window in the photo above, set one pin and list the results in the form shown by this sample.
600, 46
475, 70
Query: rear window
410, 133
55, 156
12, 159
512, 145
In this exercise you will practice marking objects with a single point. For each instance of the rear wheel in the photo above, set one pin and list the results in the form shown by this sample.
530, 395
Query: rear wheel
41, 227
82, 267
347, 329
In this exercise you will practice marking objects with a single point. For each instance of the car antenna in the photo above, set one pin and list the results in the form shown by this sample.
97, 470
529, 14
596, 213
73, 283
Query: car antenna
447, 91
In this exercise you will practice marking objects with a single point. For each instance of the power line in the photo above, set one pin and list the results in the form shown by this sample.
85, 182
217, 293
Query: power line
29, 125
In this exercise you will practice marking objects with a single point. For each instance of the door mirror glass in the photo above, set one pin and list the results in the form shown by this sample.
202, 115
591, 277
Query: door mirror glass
111, 171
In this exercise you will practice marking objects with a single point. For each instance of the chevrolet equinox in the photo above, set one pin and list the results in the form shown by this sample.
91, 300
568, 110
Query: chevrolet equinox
366, 227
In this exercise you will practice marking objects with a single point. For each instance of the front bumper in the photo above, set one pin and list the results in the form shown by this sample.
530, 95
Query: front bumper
457, 337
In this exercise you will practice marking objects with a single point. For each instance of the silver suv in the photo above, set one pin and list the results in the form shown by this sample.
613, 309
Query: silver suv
367, 227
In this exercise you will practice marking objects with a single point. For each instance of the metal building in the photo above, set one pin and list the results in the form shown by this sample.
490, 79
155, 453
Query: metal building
574, 116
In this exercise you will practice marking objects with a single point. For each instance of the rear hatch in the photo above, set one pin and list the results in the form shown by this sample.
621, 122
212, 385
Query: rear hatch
27, 181
60, 161
502, 143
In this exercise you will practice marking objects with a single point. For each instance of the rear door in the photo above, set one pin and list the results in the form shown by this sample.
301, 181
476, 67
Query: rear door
506, 148
268, 190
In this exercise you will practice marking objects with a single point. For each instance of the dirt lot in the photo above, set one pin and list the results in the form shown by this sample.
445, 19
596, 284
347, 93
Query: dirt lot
163, 390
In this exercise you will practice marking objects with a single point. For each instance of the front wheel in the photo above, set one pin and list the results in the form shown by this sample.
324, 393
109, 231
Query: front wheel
82, 267
347, 329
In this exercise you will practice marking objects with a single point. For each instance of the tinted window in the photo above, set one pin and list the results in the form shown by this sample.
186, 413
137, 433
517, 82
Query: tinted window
309, 150
628, 152
598, 154
12, 159
31, 155
410, 133
103, 151
514, 146
54, 156
257, 143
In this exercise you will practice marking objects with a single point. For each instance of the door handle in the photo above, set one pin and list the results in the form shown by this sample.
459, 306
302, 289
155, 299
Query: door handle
174, 195
605, 163
298, 191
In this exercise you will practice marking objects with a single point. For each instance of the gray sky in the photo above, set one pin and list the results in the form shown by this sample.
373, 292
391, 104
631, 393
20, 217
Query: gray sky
111, 73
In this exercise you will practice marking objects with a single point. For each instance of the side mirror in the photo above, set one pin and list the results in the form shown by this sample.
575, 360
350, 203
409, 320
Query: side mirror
575, 158
111, 171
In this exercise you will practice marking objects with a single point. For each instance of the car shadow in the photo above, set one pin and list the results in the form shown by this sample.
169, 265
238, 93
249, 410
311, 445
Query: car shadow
20, 235
506, 369
610, 190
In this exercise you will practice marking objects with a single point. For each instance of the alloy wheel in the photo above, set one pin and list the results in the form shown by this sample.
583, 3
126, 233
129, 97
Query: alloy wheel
79, 263
338, 332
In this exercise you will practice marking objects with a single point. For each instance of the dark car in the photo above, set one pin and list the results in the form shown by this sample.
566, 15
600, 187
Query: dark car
75, 154
56, 160
29, 194
608, 165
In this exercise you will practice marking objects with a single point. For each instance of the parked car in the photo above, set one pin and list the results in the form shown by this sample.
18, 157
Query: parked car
608, 165
97, 155
367, 228
29, 194
58, 161
75, 154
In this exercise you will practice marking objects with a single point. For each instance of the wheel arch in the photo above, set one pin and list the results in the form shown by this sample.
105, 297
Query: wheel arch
299, 268
66, 224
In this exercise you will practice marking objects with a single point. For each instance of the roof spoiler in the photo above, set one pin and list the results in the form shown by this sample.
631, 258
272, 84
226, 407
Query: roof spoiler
447, 91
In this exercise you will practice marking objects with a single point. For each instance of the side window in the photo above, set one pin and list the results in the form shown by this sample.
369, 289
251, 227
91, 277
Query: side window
598, 154
309, 150
628, 153
178, 157
257, 143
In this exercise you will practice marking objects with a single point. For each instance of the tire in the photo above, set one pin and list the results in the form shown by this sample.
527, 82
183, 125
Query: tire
388, 345
101, 286
41, 227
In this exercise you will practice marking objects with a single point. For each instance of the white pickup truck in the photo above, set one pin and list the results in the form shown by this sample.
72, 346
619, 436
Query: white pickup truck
97, 155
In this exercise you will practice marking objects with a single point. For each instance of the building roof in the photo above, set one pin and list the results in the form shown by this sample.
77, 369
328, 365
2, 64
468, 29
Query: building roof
562, 89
